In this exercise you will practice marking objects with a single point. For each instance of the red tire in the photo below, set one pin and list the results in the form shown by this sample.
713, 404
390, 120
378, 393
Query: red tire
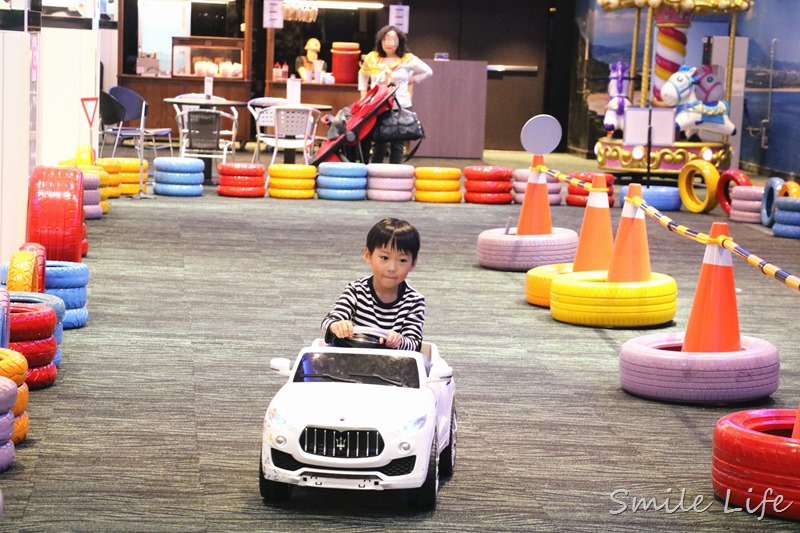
241, 169
580, 201
41, 260
242, 192
41, 376
55, 211
580, 191
471, 185
38, 352
488, 197
230, 180
724, 190
488, 173
589, 176
31, 321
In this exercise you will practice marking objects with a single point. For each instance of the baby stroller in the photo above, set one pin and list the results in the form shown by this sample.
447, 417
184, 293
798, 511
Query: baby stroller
352, 124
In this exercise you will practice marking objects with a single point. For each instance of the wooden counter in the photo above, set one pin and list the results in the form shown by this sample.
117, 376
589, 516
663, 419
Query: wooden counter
161, 115
338, 95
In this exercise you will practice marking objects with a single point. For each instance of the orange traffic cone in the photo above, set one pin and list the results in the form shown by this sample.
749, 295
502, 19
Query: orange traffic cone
796, 432
597, 238
534, 217
714, 321
630, 256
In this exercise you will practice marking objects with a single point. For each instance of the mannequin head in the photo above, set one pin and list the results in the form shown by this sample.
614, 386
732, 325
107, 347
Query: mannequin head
312, 48
390, 41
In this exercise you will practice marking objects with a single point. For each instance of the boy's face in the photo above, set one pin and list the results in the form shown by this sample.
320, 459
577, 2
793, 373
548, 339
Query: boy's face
389, 267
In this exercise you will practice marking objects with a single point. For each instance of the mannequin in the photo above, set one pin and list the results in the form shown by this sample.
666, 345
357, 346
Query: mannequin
304, 65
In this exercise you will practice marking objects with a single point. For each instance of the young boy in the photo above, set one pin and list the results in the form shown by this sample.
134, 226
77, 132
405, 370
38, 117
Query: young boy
384, 299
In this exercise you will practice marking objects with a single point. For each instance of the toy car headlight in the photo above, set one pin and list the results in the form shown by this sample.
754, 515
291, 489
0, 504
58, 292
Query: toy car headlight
412, 425
277, 420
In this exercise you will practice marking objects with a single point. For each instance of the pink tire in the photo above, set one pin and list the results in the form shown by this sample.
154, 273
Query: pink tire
652, 366
383, 195
521, 253
387, 170
751, 206
390, 184
746, 216
747, 192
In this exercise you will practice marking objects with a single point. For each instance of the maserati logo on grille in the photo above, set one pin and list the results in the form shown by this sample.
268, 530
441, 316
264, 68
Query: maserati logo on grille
340, 443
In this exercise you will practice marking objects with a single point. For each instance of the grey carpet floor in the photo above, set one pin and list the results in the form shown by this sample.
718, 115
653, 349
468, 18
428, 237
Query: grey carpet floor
154, 422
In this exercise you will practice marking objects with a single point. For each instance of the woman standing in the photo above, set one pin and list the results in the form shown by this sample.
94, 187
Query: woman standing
391, 62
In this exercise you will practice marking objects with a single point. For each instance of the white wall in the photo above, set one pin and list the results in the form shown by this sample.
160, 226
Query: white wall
15, 139
108, 56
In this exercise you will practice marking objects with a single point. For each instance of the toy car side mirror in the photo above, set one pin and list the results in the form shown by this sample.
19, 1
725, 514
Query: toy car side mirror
440, 373
281, 365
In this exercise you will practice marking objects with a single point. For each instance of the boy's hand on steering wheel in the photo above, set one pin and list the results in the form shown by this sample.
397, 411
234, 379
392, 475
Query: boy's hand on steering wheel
393, 340
342, 329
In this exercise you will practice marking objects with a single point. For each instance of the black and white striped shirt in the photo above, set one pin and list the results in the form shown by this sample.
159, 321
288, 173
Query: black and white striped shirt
359, 304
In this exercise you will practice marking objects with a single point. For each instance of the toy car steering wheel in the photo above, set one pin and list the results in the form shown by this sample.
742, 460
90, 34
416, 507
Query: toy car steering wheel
363, 337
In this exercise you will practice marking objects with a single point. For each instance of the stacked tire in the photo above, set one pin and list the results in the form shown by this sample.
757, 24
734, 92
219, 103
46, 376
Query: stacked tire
660, 197
771, 189
488, 184
520, 177
746, 203
292, 182
102, 186
55, 212
129, 175
578, 196
68, 281
787, 217
390, 183
178, 176
8, 398
438, 185
55, 303
111, 166
242, 180
32, 335
729, 180
92, 210
342, 181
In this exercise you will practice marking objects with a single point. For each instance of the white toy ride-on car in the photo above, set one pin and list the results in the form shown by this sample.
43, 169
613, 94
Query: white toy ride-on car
362, 418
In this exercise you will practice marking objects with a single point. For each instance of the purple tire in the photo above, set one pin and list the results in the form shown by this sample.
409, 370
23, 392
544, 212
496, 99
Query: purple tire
8, 394
383, 195
7, 453
92, 212
390, 184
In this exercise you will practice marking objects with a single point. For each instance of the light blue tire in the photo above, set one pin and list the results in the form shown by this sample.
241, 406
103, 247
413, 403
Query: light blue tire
169, 189
50, 300
64, 274
788, 218
178, 178
786, 231
771, 189
58, 334
660, 197
74, 297
334, 182
76, 318
57, 358
344, 170
342, 194
787, 203
179, 164
5, 319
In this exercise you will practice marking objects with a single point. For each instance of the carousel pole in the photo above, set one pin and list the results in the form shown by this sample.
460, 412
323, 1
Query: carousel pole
636, 19
648, 38
731, 51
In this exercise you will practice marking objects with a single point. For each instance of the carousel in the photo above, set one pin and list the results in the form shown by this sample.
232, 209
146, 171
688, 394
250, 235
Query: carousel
700, 100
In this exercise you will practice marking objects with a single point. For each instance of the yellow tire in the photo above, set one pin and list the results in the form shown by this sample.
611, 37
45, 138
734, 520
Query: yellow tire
84, 155
439, 197
790, 188
130, 164
114, 180
292, 171
104, 205
130, 177
292, 194
104, 193
23, 272
538, 281
110, 164
297, 184
437, 185
99, 171
129, 189
438, 173
13, 365
113, 192
686, 186
20, 428
22, 400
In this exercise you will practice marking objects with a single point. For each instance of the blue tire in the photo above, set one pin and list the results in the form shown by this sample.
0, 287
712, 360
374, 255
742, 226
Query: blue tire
58, 334
788, 218
73, 297
50, 300
787, 203
179, 164
771, 189
344, 170
5, 319
178, 178
342, 194
786, 231
335, 182
65, 274
76, 318
660, 197
57, 358
169, 189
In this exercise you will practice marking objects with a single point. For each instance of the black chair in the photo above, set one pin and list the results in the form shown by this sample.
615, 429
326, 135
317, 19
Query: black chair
112, 113
136, 110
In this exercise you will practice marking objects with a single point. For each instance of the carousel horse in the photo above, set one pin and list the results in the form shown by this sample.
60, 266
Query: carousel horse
709, 88
618, 81
691, 114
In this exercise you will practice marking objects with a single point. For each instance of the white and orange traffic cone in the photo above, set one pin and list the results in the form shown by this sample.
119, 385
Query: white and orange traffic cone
714, 320
630, 256
534, 217
596, 239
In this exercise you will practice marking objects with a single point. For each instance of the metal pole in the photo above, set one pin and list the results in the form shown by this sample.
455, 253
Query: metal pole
648, 38
636, 19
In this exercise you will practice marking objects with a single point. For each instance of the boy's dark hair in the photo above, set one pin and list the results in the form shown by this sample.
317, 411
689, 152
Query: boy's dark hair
402, 47
394, 233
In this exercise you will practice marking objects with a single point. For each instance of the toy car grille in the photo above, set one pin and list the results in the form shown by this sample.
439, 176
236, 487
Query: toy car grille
397, 467
351, 444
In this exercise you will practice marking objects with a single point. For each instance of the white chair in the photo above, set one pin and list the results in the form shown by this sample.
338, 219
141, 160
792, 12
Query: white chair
202, 136
228, 132
295, 128
264, 119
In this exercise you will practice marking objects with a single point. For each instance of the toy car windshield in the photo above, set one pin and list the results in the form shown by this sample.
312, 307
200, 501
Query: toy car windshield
372, 369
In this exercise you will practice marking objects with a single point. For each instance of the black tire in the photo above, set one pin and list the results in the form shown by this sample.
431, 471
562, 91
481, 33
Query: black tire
424, 498
272, 490
447, 460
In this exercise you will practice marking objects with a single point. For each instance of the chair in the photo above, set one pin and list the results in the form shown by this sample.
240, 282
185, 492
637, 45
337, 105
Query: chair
136, 109
112, 114
228, 133
265, 122
295, 127
202, 136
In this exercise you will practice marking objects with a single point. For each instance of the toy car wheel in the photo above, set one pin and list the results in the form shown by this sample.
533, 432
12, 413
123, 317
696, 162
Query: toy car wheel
272, 490
425, 496
447, 460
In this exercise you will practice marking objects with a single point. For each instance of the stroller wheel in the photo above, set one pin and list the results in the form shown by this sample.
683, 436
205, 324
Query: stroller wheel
350, 136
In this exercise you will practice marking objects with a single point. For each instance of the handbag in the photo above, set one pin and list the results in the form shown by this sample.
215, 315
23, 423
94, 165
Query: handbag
398, 124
